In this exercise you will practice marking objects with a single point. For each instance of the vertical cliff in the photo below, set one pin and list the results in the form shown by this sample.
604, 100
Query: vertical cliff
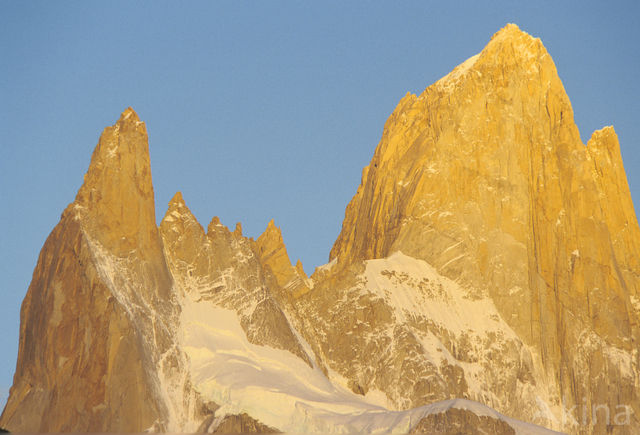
96, 318
484, 176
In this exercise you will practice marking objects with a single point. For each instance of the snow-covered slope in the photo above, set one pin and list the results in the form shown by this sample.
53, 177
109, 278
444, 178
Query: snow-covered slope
281, 390
394, 327
485, 177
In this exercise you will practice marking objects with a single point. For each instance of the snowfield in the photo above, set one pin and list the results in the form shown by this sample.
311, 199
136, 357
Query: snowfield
282, 391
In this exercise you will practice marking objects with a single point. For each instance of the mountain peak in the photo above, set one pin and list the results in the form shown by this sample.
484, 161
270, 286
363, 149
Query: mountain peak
510, 53
238, 230
512, 81
273, 254
493, 149
216, 227
129, 115
271, 238
177, 201
117, 192
129, 121
511, 43
123, 147
178, 214
606, 131
510, 30
604, 148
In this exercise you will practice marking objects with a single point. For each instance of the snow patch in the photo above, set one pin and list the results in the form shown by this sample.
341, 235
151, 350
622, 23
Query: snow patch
415, 288
327, 267
281, 391
449, 82
276, 387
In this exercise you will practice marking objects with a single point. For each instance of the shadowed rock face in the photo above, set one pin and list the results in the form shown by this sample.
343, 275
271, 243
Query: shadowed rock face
461, 422
231, 423
242, 423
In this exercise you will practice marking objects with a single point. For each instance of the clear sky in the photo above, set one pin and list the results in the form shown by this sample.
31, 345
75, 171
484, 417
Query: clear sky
258, 110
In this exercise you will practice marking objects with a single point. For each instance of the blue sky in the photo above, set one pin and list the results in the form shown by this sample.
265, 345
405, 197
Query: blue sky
258, 110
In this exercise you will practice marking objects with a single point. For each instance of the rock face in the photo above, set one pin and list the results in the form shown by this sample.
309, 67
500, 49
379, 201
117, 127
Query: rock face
460, 421
221, 267
95, 319
396, 325
242, 423
484, 177
273, 255
487, 256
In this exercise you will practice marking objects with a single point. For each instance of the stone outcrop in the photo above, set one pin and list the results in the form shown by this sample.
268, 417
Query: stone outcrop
273, 254
242, 423
232, 423
95, 319
456, 421
221, 267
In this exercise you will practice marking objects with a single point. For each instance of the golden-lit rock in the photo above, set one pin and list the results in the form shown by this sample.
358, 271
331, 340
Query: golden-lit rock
94, 321
221, 267
273, 255
456, 421
484, 176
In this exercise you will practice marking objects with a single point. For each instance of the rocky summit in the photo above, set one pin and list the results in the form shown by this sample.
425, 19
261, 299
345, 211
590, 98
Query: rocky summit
486, 280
